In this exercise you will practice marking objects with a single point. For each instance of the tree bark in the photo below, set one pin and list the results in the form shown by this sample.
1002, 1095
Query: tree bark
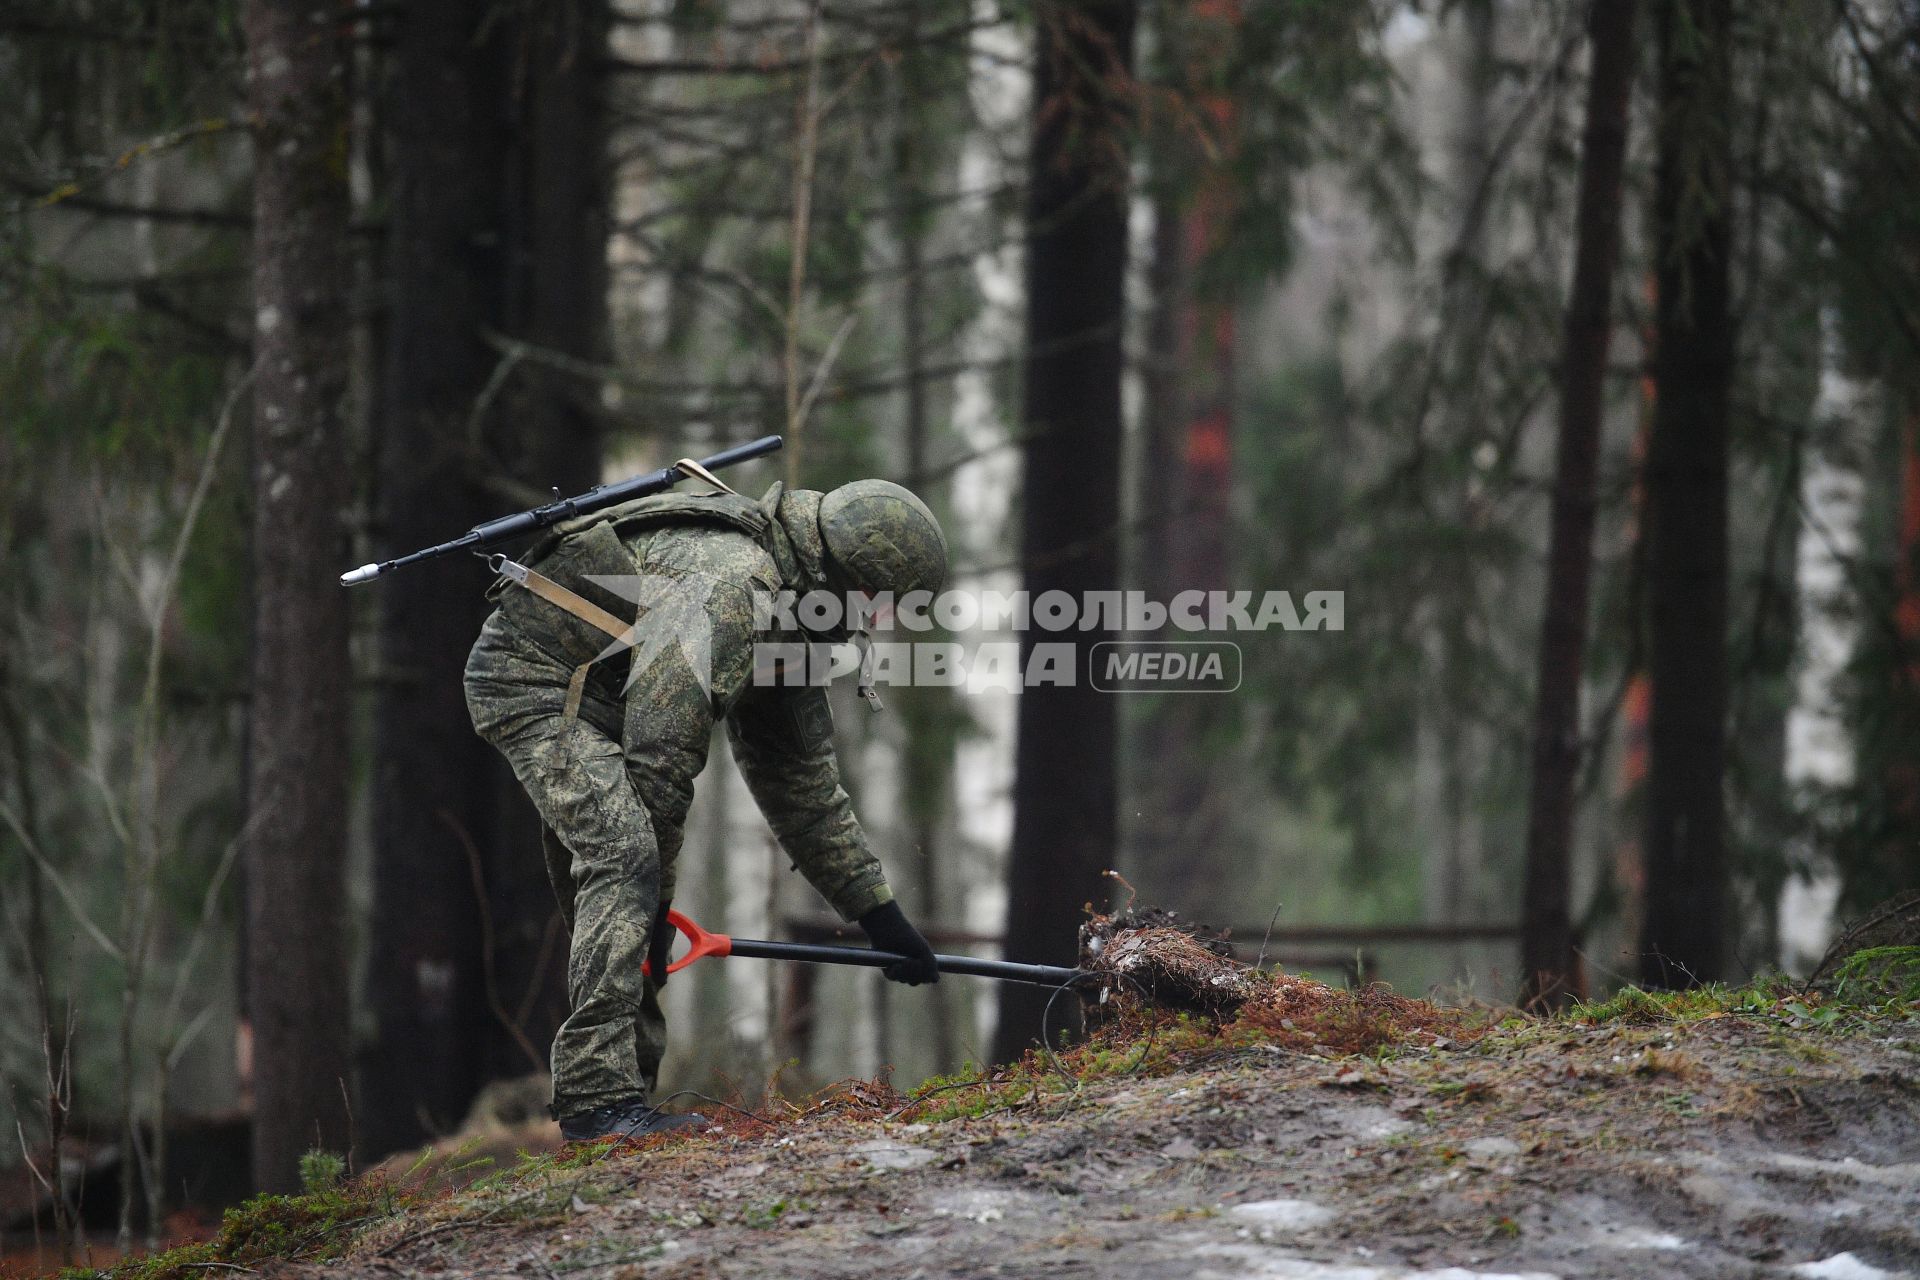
297, 936
1892, 871
1548, 963
1184, 491
1191, 854
549, 432
1065, 791
498, 224
1682, 938
931, 715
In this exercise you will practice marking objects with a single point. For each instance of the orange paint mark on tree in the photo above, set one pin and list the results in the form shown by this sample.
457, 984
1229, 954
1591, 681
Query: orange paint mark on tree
1907, 571
1208, 446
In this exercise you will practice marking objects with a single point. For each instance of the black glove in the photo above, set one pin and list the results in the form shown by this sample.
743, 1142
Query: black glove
660, 945
887, 928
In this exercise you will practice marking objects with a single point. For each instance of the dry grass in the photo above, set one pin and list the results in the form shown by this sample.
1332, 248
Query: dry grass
1366, 1020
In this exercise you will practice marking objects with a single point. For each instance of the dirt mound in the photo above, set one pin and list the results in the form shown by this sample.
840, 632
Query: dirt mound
1158, 963
1715, 1141
1328, 1020
1316, 1133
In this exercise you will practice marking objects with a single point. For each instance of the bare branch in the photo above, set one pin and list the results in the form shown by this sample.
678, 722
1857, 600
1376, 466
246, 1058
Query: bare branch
809, 144
785, 66
825, 367
59, 883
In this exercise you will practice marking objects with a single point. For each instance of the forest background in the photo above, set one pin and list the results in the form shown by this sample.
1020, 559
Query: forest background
1574, 343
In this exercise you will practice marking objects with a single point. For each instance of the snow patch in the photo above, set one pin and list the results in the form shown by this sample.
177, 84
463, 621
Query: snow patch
983, 1206
1371, 1123
882, 1154
1886, 1175
1610, 1237
1281, 1215
1252, 1263
1844, 1266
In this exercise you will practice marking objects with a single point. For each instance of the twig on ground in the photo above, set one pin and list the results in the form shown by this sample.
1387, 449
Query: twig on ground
438, 1228
1260, 961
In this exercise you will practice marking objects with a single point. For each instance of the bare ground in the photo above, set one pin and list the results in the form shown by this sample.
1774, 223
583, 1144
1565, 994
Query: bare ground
1731, 1145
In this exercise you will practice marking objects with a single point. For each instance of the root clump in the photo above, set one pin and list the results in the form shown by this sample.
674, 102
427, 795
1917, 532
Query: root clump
1168, 967
1156, 961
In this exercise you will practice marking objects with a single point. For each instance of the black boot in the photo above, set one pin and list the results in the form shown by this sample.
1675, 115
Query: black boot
634, 1119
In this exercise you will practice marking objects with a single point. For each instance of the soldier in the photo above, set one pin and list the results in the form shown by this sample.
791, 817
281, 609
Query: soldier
600, 675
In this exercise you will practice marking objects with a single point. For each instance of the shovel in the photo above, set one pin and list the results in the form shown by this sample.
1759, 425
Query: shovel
702, 943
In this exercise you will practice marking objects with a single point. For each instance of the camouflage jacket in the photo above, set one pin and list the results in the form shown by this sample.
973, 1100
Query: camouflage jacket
690, 567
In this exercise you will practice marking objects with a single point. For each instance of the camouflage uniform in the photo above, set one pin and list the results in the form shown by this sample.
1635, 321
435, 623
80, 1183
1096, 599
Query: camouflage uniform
614, 780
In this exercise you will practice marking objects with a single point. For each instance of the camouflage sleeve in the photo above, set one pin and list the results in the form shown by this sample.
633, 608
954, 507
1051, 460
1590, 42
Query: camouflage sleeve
783, 742
692, 654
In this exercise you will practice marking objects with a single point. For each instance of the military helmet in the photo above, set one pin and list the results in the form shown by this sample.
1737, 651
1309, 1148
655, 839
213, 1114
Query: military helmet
879, 537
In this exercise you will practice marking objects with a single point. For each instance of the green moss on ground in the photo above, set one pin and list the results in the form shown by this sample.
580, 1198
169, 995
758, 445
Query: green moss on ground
1877, 987
314, 1226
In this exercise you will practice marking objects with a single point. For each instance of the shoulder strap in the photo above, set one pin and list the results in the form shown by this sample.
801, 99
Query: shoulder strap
574, 603
552, 592
728, 509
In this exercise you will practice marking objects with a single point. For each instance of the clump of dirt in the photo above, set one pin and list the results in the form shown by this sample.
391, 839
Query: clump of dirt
1150, 957
1167, 967
1155, 961
1130, 917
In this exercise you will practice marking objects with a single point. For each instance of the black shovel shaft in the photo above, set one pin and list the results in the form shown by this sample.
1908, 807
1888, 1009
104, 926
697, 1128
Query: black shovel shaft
1044, 975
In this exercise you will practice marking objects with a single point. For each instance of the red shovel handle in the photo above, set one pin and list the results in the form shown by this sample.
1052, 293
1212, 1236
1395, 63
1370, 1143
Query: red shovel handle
701, 943
719, 944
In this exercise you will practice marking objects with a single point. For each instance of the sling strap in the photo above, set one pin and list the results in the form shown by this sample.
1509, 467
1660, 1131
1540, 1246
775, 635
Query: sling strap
574, 603
688, 466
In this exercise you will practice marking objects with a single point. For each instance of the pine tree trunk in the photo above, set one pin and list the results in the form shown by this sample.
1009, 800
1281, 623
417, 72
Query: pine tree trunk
1064, 790
1184, 501
1628, 863
297, 937
497, 225
1547, 942
1682, 939
548, 432
1892, 870
430, 773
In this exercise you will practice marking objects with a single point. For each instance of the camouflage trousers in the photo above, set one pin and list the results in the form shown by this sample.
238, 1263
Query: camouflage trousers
601, 857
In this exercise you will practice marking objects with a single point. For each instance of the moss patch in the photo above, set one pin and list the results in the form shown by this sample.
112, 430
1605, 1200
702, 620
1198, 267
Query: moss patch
311, 1227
